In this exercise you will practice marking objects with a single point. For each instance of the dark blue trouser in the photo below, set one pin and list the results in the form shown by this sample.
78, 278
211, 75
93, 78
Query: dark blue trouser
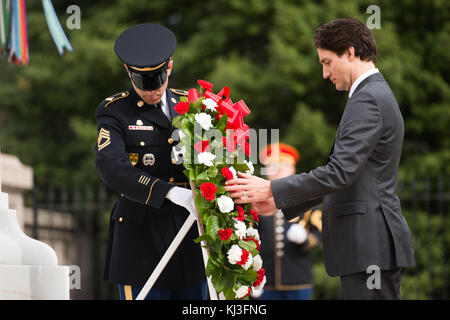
194, 293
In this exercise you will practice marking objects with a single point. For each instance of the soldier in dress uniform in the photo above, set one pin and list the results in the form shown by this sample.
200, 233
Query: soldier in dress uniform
286, 245
134, 157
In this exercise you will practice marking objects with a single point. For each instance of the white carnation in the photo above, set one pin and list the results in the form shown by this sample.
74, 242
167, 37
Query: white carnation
249, 262
204, 120
257, 262
233, 171
234, 254
210, 104
241, 229
226, 204
206, 158
241, 292
252, 232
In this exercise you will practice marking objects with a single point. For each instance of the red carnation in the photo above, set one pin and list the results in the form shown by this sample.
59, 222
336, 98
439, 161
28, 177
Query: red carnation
205, 84
182, 107
227, 173
261, 273
241, 212
244, 257
202, 146
254, 215
225, 234
208, 190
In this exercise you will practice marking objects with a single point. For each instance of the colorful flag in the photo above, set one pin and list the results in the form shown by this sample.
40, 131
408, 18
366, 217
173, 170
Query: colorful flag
56, 30
18, 41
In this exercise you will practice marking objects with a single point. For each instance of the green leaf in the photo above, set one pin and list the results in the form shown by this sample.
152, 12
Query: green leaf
229, 293
249, 275
203, 176
197, 106
250, 246
192, 175
222, 123
200, 238
177, 122
198, 200
242, 167
218, 280
210, 267
212, 172
212, 226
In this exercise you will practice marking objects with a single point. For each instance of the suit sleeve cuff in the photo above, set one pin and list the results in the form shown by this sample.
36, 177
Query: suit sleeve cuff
279, 194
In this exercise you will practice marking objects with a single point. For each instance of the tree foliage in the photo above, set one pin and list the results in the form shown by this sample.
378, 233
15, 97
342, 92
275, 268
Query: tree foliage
263, 50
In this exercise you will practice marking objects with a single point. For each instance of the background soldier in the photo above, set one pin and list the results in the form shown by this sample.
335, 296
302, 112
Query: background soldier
286, 245
133, 157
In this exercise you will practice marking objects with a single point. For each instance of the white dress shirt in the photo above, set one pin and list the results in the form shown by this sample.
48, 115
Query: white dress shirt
165, 105
360, 79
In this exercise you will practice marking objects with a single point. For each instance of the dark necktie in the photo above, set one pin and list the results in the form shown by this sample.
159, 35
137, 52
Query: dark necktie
159, 107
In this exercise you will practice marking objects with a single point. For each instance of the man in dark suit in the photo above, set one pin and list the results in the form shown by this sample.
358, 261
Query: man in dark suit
363, 226
134, 157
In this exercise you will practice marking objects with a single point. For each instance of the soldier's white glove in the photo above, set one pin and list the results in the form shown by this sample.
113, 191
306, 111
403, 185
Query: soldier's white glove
296, 233
183, 197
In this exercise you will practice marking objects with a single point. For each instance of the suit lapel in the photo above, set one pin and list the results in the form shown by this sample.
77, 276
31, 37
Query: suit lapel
374, 77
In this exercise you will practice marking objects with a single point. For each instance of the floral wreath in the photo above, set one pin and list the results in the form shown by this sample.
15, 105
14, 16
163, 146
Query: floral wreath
234, 263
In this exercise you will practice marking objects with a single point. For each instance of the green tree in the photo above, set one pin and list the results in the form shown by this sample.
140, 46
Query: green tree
263, 50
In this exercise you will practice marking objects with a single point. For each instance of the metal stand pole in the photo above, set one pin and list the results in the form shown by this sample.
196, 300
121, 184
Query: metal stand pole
166, 257
171, 250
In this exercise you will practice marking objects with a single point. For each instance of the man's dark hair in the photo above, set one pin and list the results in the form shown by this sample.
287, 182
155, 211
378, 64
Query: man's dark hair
339, 35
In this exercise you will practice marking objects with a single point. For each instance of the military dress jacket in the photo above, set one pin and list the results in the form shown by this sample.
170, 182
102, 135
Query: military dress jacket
288, 265
133, 157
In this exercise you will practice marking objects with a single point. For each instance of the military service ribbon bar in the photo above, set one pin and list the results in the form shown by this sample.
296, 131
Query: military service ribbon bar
149, 128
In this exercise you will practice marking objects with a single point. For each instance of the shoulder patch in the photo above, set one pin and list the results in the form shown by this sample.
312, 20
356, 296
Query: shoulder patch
180, 92
115, 97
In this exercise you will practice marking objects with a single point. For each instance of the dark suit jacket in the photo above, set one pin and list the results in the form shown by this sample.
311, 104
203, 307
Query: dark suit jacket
362, 220
133, 157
